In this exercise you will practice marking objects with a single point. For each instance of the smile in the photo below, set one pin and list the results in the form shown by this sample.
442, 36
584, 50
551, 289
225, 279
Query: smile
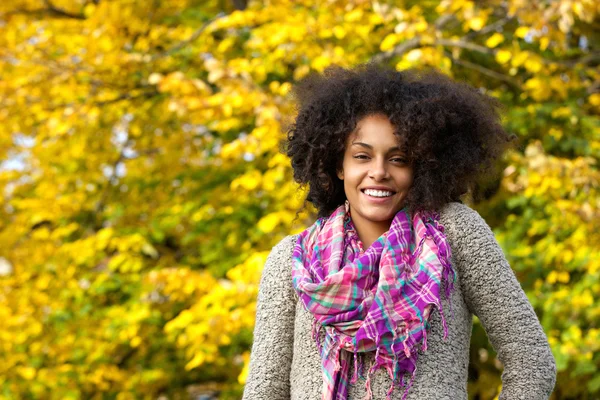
377, 193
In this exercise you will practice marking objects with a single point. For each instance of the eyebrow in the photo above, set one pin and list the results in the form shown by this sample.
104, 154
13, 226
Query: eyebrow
368, 146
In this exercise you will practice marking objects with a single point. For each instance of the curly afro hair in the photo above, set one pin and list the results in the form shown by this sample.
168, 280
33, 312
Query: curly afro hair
450, 132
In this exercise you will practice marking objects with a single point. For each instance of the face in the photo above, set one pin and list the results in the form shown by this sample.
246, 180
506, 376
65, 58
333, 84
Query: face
376, 175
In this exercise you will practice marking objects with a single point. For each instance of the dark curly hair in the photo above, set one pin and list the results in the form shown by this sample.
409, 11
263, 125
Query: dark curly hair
450, 132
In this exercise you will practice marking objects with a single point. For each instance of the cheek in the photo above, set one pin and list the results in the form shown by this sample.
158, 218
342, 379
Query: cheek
406, 178
353, 177
409, 178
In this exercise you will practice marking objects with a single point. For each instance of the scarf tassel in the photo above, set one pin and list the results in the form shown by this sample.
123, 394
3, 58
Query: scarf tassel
369, 395
444, 324
355, 375
410, 383
444, 257
393, 377
424, 345
448, 283
316, 334
338, 365
388, 395
395, 365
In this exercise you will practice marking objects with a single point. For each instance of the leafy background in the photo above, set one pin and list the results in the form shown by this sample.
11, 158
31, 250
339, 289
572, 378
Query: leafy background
142, 187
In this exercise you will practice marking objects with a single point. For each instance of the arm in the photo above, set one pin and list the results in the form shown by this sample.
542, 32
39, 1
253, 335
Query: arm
271, 356
493, 294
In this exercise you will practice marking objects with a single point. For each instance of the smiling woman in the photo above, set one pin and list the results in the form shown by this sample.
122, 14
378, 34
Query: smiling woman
355, 306
376, 176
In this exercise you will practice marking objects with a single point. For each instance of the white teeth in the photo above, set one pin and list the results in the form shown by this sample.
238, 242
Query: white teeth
377, 193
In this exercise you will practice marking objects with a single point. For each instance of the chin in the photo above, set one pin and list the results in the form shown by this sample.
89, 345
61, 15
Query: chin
379, 217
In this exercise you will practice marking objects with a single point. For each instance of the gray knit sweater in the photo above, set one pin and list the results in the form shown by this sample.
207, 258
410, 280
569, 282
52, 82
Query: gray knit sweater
285, 363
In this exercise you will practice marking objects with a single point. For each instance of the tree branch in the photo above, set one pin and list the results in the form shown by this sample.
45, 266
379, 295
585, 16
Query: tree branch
585, 60
126, 96
485, 71
50, 9
240, 4
465, 45
488, 28
398, 50
59, 12
410, 43
189, 40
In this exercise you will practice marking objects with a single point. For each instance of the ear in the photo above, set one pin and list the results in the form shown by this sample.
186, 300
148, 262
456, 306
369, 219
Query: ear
340, 174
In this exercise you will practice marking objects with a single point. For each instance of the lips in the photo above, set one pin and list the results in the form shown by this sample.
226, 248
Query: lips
382, 188
374, 199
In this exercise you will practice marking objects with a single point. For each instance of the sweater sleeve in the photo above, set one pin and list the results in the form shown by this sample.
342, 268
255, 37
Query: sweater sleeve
493, 293
272, 349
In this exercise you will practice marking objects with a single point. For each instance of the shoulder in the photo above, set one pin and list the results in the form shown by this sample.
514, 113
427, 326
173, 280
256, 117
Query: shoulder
456, 213
279, 261
466, 230
458, 217
276, 279
284, 248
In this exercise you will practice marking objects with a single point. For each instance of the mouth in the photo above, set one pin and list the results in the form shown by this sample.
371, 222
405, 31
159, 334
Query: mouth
378, 194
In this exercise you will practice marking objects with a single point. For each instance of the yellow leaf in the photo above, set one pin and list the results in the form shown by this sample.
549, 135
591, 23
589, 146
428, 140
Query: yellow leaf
555, 133
195, 362
27, 373
563, 277
494, 40
522, 31
420, 26
320, 63
389, 42
301, 72
414, 55
268, 223
285, 88
533, 65
325, 33
155, 78
519, 58
477, 23
567, 256
594, 99
249, 181
89, 9
538, 89
244, 373
215, 75
561, 112
232, 150
105, 44
353, 15
226, 44
503, 56
339, 32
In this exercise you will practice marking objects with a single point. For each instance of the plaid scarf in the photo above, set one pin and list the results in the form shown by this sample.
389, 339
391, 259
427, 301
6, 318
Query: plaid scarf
378, 300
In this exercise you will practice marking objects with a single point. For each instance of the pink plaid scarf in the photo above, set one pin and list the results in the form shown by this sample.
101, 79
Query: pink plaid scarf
379, 300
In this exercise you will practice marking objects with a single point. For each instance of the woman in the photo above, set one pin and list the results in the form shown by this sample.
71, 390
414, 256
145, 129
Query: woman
376, 298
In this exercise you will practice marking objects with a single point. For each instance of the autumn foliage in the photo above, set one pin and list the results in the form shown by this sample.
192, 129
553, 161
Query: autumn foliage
141, 187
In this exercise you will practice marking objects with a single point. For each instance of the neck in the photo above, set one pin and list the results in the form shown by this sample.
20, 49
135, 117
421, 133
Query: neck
369, 231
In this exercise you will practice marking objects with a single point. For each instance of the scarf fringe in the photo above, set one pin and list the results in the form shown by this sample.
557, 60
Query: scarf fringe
355, 375
316, 334
394, 379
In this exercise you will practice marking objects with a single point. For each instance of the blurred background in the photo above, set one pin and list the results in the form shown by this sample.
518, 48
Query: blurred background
141, 187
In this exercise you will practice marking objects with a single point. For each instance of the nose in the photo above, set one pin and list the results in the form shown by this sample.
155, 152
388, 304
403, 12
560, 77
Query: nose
379, 170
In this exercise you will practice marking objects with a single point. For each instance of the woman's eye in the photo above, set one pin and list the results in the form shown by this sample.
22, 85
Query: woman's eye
361, 157
400, 160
